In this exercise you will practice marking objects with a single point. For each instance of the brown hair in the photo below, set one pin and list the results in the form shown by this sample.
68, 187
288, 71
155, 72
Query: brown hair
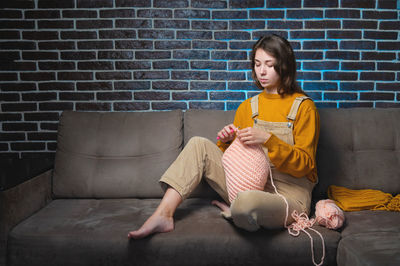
285, 65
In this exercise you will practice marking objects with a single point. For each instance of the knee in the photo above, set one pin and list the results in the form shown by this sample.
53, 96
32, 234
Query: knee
244, 211
197, 141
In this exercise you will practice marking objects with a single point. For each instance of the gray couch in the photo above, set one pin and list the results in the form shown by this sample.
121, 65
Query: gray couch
105, 183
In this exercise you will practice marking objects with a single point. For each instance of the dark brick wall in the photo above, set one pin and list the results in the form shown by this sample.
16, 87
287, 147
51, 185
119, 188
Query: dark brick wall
151, 55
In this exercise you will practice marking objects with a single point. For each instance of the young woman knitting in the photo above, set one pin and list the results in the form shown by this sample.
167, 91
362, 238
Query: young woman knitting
282, 122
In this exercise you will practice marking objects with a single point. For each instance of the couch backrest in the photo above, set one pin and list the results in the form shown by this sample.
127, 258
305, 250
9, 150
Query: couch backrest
359, 148
115, 154
101, 155
205, 123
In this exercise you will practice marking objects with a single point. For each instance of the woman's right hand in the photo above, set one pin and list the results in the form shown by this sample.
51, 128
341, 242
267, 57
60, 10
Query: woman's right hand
227, 133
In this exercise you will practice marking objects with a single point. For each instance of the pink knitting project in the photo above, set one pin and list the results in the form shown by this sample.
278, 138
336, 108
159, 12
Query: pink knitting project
246, 168
328, 214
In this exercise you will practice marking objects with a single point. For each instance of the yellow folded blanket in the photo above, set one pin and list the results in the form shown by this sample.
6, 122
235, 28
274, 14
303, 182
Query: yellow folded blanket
363, 199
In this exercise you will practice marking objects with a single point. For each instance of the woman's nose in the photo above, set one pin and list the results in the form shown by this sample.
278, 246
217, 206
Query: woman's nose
263, 70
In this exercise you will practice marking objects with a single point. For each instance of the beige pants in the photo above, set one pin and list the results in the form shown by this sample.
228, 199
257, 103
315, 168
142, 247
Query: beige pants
201, 158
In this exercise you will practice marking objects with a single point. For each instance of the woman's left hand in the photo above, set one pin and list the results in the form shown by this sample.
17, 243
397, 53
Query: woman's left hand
251, 136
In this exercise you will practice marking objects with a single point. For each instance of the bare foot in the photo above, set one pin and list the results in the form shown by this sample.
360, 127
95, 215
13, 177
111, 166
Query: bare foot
155, 224
222, 205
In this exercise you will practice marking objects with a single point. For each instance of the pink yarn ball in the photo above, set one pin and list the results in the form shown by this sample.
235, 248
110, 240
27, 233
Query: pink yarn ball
328, 214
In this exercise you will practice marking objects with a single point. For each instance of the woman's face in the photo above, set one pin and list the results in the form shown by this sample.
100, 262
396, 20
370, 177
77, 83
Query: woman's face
265, 71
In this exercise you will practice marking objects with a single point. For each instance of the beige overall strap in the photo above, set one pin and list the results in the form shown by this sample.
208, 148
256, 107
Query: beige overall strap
254, 106
295, 107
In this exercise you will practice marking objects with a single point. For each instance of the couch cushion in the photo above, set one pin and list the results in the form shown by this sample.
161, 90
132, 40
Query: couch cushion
205, 123
115, 154
370, 238
368, 249
94, 232
371, 221
359, 148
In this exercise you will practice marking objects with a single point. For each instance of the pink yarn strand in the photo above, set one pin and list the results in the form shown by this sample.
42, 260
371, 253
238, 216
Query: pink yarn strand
302, 222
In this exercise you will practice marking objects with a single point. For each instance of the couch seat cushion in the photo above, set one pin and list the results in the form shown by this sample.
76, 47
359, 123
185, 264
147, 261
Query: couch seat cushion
371, 221
372, 248
94, 232
370, 238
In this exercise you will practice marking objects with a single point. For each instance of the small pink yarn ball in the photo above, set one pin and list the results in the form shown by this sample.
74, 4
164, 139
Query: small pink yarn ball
328, 214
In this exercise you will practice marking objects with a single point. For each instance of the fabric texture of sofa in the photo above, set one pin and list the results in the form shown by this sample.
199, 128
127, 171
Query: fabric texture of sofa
105, 184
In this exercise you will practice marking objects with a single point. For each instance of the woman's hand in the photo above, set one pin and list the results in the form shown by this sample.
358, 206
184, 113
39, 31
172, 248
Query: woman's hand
251, 135
227, 133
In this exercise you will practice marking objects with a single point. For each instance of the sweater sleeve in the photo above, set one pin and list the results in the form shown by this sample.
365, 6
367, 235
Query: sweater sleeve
298, 160
223, 146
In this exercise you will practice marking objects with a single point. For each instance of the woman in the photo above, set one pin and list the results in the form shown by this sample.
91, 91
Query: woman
281, 119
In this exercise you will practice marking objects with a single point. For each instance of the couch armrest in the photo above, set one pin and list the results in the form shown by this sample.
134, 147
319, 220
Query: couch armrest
20, 202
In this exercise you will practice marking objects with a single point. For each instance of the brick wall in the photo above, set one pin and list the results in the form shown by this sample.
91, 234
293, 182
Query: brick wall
151, 55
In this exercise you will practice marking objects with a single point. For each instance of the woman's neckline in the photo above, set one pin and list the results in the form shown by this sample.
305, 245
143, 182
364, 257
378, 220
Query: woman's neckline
271, 95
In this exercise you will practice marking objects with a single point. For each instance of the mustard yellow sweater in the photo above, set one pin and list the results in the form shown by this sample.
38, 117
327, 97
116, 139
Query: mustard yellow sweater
363, 199
298, 160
